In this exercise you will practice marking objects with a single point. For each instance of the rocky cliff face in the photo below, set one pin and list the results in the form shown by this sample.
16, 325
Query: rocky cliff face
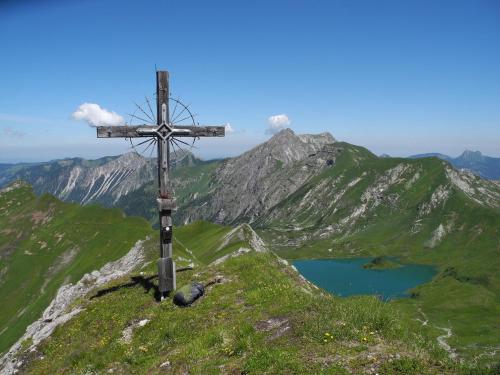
77, 180
105, 183
244, 187
108, 181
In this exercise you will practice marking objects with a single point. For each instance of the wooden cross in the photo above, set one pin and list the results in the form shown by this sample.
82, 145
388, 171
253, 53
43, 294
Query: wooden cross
163, 130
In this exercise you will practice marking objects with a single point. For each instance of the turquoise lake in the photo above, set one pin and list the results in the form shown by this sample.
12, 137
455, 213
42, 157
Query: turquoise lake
347, 277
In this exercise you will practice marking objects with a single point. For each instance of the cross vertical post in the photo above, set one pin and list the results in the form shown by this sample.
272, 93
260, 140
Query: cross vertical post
166, 264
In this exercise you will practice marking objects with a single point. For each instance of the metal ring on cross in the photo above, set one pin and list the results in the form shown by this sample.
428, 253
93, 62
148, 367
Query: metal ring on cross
144, 114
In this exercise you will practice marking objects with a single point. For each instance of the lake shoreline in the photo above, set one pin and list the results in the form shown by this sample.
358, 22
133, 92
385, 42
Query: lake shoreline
346, 277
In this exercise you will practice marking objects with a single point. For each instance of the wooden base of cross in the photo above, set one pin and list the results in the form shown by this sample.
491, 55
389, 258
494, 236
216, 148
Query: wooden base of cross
163, 130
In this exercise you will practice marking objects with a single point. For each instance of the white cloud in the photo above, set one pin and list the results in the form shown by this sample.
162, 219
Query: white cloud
229, 128
97, 116
277, 123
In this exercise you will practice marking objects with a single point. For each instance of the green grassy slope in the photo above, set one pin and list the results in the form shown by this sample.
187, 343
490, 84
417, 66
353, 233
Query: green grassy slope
206, 238
262, 319
45, 243
399, 220
190, 181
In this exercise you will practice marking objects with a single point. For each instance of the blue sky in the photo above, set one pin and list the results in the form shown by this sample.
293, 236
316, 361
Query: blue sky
398, 77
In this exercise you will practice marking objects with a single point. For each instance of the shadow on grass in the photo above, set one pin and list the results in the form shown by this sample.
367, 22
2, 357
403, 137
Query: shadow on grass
146, 283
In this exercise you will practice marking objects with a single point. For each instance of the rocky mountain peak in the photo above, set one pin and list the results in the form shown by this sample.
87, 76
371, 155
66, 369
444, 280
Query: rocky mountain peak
247, 185
319, 140
130, 157
288, 134
288, 147
284, 133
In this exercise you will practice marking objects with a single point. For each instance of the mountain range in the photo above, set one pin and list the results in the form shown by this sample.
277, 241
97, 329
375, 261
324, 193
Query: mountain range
311, 196
231, 190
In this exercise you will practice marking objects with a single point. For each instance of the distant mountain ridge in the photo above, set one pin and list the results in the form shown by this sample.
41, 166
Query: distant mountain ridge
474, 161
228, 191
238, 189
105, 180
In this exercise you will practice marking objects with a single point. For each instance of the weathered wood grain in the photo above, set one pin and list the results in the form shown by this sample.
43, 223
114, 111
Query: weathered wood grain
162, 94
132, 131
121, 131
200, 131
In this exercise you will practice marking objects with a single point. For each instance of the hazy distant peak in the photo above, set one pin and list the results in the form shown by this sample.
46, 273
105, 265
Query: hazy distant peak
471, 155
470, 152
474, 161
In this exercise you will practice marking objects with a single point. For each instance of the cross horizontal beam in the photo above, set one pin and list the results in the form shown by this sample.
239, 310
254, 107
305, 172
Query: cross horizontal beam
148, 131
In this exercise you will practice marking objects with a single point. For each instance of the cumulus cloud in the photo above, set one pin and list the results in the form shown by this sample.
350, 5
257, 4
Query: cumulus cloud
276, 123
97, 116
229, 128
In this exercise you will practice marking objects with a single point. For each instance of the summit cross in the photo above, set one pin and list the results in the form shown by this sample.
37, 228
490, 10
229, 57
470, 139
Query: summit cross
163, 130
